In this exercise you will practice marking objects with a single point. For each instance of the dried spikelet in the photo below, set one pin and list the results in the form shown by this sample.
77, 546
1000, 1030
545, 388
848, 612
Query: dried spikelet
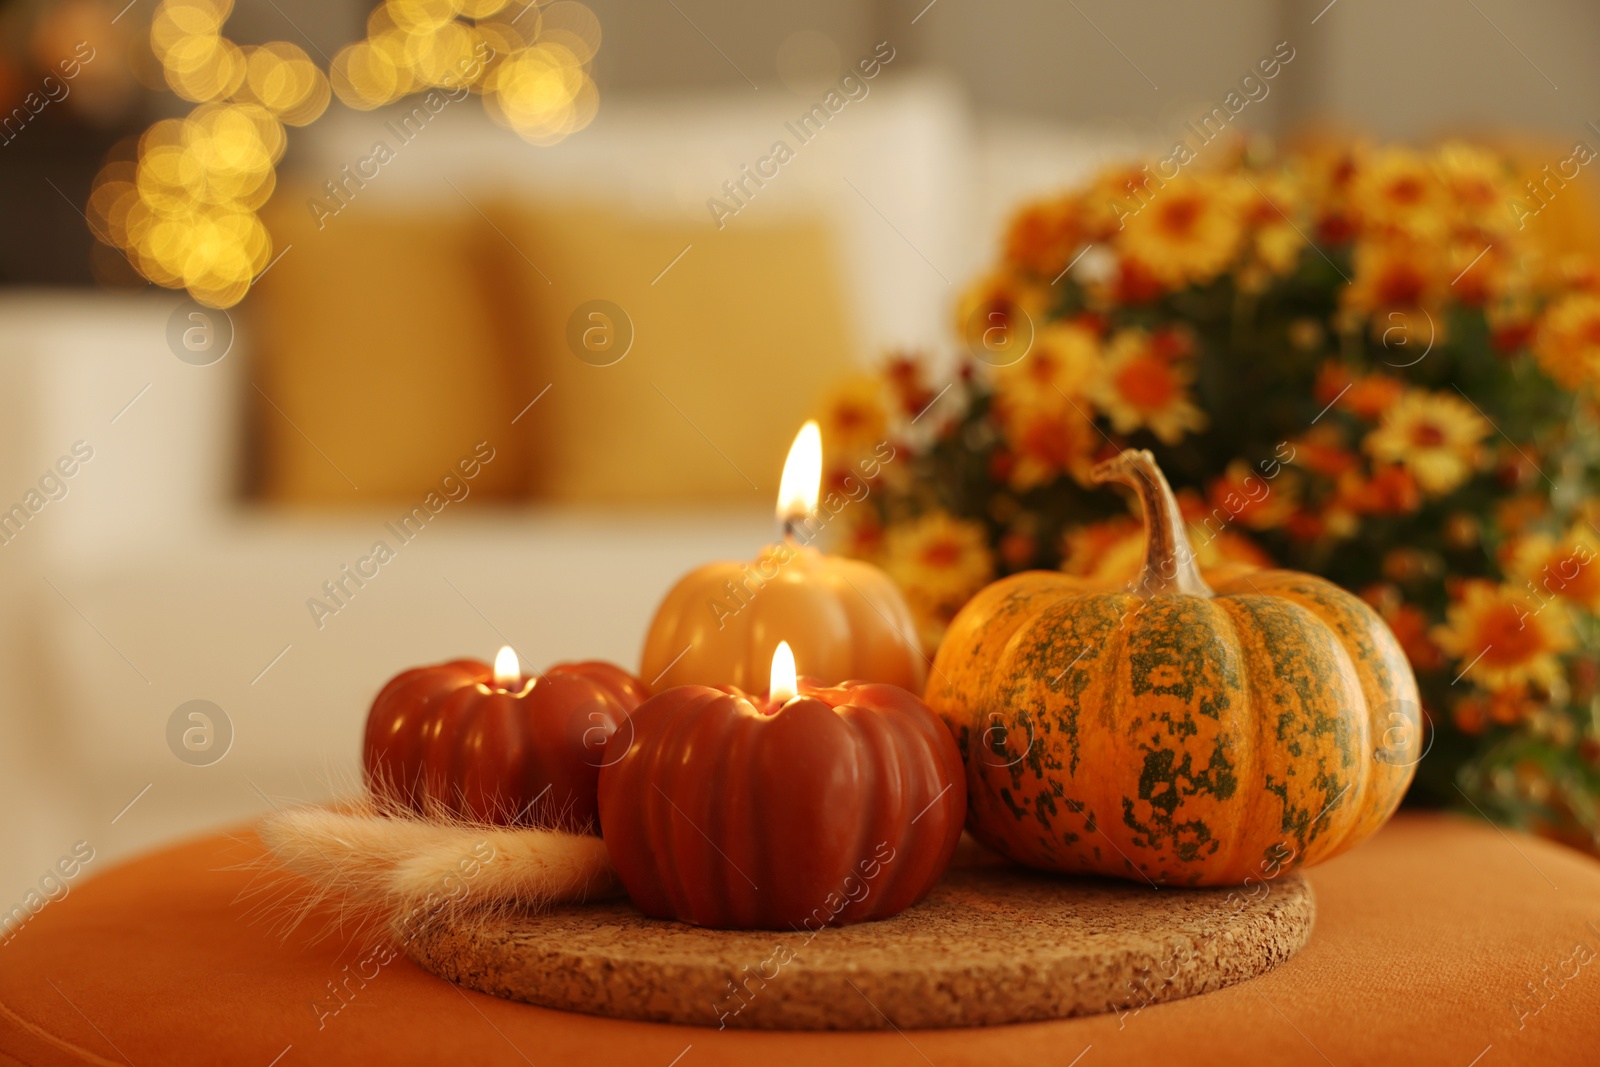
381, 866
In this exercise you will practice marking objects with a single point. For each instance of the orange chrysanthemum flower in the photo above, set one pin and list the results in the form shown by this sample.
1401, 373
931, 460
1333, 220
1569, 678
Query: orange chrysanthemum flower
1365, 397
1568, 568
1389, 490
1515, 514
1323, 451
1396, 280
1243, 495
1332, 171
1047, 441
1504, 707
1041, 408
1480, 274
1409, 624
1332, 379
1371, 395
1043, 237
1112, 195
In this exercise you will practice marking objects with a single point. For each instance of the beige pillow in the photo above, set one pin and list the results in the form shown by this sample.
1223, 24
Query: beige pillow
735, 334
378, 359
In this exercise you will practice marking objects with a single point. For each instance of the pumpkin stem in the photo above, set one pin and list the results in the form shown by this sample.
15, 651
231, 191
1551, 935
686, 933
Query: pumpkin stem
1169, 563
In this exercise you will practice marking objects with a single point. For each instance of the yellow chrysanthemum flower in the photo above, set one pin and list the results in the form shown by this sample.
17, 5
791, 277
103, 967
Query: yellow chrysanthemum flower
1042, 408
1482, 272
1273, 213
1477, 183
938, 558
1436, 437
1503, 638
1111, 552
1063, 362
1188, 231
1140, 384
1001, 314
855, 417
1398, 190
1567, 343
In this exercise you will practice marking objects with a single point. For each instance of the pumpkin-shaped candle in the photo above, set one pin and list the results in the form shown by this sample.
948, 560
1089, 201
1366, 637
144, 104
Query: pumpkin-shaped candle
492, 745
808, 806
845, 618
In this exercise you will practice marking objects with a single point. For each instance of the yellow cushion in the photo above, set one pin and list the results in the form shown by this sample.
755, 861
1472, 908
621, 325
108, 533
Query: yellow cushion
378, 360
733, 341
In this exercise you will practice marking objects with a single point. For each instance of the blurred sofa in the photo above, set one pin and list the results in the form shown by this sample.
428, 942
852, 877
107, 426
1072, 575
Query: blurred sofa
179, 561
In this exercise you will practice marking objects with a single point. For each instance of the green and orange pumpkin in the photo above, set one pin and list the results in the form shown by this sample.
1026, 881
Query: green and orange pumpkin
1189, 729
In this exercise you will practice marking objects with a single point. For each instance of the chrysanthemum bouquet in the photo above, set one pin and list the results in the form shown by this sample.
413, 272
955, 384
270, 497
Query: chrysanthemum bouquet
1371, 364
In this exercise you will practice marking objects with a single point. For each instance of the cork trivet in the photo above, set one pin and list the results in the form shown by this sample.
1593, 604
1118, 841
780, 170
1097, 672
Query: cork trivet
992, 944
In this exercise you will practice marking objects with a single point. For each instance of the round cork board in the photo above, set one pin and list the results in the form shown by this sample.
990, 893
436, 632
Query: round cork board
991, 944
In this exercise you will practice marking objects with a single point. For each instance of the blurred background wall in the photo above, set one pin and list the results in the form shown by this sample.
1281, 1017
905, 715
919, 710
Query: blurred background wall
1405, 69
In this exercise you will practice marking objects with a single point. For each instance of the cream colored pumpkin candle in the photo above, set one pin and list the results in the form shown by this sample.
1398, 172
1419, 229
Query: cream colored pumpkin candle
844, 618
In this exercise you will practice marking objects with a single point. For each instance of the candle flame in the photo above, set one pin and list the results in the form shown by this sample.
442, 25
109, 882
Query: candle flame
507, 670
784, 685
802, 475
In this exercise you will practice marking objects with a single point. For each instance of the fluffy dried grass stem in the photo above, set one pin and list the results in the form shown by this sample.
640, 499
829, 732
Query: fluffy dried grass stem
400, 870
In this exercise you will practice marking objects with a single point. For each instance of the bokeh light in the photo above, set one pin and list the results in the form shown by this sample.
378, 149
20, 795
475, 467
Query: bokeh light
543, 92
530, 62
185, 211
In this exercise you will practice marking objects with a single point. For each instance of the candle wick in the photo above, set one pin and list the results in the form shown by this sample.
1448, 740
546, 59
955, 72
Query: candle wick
796, 531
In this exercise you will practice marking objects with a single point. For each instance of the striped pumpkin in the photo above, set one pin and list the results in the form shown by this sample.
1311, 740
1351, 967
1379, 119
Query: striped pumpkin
1178, 731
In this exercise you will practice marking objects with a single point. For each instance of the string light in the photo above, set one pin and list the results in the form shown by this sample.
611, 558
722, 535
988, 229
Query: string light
185, 212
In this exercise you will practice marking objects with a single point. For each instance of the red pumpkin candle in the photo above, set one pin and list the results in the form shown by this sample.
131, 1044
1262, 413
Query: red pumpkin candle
495, 746
843, 617
809, 806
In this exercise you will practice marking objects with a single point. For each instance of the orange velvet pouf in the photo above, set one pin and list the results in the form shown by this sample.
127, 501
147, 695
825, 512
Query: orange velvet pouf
1440, 941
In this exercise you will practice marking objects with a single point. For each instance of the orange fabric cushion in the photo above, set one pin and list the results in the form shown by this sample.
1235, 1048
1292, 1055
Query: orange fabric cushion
1426, 938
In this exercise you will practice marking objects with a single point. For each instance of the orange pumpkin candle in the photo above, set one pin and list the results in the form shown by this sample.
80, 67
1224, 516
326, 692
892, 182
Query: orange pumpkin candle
845, 619
496, 745
807, 806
